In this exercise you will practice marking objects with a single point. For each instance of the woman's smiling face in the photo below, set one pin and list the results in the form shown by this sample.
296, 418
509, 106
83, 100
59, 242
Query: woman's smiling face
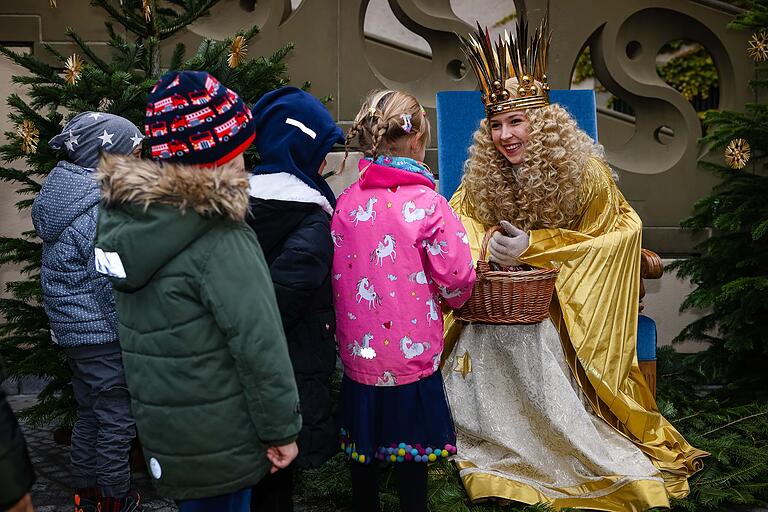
510, 132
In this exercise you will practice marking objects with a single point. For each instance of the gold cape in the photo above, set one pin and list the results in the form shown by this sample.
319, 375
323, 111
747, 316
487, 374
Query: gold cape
595, 310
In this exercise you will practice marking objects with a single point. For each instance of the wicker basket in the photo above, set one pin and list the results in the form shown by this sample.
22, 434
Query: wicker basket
520, 295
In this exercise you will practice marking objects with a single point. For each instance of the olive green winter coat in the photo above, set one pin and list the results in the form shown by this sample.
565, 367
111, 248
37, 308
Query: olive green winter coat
205, 356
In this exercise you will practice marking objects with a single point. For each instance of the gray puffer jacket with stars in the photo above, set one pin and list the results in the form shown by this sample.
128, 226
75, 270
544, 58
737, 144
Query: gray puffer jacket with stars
77, 299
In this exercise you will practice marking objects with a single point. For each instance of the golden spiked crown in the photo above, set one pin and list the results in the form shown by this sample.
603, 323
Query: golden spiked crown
517, 56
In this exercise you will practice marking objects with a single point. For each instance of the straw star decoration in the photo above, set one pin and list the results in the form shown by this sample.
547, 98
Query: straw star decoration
737, 153
72, 69
238, 49
758, 47
53, 3
30, 136
463, 365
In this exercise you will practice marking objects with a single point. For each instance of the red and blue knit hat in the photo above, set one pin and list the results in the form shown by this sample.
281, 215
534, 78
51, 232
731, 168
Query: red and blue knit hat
192, 119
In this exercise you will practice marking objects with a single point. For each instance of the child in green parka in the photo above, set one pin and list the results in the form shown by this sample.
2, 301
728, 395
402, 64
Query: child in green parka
205, 355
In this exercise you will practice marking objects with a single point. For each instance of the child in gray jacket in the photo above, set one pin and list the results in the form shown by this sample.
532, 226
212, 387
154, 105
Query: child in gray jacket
80, 308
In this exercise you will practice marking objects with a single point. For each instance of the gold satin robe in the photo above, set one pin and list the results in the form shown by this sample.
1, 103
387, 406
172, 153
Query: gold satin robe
594, 310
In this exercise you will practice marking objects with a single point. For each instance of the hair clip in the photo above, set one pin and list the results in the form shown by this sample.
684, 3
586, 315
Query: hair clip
372, 111
407, 126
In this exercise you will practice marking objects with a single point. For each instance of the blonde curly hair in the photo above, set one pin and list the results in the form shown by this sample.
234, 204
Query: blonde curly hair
543, 191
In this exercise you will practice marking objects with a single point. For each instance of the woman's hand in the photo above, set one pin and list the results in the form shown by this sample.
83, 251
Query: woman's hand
506, 249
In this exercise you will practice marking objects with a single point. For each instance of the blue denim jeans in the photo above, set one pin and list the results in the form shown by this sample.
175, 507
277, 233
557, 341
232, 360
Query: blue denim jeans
104, 428
234, 502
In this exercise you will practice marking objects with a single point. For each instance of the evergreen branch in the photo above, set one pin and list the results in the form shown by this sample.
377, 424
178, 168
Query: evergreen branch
86, 49
131, 22
191, 16
756, 415
15, 175
56, 53
34, 65
731, 476
177, 59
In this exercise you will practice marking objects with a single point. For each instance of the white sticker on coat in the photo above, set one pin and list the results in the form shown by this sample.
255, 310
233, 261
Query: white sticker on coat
109, 263
154, 467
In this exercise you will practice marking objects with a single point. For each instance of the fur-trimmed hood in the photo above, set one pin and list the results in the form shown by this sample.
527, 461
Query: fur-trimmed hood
152, 212
211, 192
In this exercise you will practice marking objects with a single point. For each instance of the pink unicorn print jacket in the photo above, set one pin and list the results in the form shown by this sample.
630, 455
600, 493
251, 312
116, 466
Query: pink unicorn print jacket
400, 250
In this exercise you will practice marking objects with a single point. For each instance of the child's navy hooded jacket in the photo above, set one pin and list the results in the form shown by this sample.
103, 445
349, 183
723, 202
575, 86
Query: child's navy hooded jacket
291, 206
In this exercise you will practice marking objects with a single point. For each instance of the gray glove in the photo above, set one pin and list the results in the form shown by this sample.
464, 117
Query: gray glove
506, 249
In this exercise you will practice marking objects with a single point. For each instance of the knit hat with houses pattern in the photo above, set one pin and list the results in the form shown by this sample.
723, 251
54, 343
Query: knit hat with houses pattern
193, 119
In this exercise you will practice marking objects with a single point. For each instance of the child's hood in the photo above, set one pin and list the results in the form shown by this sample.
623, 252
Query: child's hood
69, 191
146, 219
295, 133
373, 175
89, 134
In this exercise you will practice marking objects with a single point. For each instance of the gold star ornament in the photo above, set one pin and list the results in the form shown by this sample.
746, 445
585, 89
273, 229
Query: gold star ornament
238, 49
30, 136
737, 153
72, 69
758, 47
463, 365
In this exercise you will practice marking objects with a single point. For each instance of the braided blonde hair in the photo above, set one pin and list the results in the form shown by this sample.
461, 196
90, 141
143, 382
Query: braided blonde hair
380, 126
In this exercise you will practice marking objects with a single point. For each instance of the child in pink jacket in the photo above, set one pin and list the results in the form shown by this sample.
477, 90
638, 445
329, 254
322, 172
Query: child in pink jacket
400, 252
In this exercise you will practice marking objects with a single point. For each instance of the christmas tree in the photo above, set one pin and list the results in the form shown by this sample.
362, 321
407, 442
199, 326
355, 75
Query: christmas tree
730, 269
137, 30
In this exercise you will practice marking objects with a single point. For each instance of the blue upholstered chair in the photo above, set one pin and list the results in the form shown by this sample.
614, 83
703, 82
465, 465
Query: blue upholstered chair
458, 116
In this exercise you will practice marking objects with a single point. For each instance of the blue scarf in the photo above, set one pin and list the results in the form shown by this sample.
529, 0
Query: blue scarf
404, 164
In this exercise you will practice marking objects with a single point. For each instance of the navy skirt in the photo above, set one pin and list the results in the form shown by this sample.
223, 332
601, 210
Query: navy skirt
410, 423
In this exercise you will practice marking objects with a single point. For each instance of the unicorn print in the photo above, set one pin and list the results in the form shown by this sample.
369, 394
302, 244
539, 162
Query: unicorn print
418, 277
365, 290
463, 237
446, 293
337, 238
411, 349
361, 214
363, 349
384, 249
438, 248
436, 362
387, 379
412, 214
432, 313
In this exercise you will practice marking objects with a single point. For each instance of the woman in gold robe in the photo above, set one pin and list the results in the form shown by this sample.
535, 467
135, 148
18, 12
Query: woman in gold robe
559, 411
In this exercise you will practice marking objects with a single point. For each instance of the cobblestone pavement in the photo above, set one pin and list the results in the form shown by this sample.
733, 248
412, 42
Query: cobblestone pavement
52, 491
